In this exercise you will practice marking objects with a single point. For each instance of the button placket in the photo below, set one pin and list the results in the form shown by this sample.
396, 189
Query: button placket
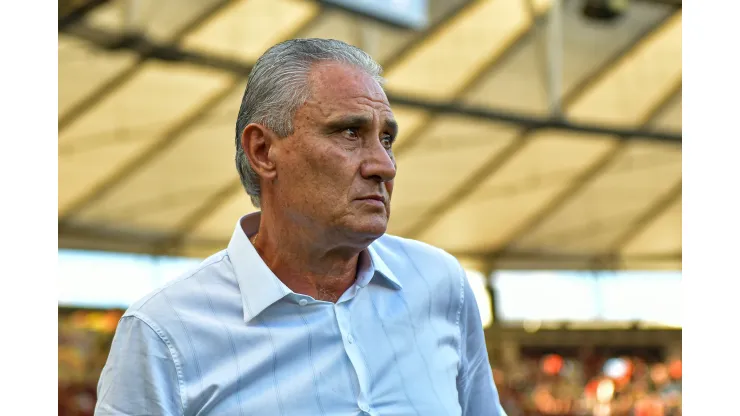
354, 355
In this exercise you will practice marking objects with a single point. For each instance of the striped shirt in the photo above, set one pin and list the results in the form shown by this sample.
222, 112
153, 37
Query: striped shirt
230, 338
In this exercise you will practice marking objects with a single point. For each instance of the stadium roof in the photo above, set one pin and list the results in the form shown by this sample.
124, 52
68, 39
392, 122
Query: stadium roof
148, 99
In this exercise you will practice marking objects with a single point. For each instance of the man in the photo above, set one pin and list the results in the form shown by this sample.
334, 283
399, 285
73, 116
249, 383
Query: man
312, 309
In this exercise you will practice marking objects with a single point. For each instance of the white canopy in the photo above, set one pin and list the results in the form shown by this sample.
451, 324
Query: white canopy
146, 127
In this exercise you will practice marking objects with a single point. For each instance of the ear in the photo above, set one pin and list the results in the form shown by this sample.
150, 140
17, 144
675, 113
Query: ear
257, 141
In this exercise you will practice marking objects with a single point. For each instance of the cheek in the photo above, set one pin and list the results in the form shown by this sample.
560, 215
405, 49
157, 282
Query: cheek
331, 171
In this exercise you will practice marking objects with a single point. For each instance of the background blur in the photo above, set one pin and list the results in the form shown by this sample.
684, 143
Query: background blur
540, 144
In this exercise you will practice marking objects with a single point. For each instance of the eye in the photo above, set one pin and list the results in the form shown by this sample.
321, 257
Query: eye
387, 142
351, 132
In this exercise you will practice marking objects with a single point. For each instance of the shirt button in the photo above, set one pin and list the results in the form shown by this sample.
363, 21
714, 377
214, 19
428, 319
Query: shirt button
303, 302
351, 340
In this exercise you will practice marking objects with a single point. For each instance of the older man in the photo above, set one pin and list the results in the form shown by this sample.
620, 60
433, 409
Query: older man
312, 309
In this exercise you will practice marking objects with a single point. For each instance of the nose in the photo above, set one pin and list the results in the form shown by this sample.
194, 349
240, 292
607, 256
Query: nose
379, 164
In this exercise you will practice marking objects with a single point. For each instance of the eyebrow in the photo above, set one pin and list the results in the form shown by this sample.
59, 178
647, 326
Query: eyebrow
357, 121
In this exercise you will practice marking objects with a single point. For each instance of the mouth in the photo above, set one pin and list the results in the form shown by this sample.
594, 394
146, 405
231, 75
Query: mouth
373, 199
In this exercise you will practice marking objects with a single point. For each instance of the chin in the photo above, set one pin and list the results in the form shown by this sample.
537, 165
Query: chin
375, 229
369, 229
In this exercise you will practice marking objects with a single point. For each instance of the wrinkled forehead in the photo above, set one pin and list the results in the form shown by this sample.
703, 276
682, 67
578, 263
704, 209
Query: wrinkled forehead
335, 85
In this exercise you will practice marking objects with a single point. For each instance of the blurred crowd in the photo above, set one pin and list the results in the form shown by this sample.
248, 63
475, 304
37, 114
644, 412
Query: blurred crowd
84, 341
608, 386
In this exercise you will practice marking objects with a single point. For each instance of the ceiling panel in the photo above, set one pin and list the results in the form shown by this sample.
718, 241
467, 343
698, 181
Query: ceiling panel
519, 83
83, 69
195, 167
628, 92
448, 59
160, 20
247, 28
593, 219
128, 122
663, 235
484, 219
219, 225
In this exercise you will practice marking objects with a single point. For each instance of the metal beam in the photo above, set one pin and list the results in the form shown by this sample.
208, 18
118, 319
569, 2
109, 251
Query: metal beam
554, 50
148, 49
585, 177
152, 50
76, 14
661, 205
673, 3
533, 123
74, 113
490, 167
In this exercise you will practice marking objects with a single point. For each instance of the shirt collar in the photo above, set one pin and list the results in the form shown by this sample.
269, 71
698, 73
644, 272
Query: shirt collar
259, 286
378, 265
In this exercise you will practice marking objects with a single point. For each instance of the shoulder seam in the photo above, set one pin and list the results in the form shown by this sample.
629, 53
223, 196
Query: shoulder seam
173, 355
461, 277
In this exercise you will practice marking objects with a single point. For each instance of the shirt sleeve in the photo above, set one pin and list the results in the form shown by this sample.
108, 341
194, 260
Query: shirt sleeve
140, 376
477, 392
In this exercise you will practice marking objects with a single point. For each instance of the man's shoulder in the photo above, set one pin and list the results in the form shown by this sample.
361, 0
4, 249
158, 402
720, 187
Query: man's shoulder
391, 247
168, 299
411, 248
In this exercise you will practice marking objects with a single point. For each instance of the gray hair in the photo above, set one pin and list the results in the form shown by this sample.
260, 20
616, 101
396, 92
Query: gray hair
278, 86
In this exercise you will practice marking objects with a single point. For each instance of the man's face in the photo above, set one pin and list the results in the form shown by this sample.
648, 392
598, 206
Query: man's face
335, 172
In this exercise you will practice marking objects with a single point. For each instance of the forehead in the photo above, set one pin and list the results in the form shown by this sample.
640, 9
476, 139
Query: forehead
337, 86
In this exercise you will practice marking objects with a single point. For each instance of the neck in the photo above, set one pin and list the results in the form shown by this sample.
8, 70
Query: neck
304, 261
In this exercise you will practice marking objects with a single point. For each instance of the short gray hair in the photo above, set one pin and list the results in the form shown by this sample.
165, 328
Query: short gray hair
278, 85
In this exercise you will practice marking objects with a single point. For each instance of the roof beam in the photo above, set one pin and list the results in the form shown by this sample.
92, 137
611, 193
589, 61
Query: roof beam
534, 123
71, 14
172, 53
